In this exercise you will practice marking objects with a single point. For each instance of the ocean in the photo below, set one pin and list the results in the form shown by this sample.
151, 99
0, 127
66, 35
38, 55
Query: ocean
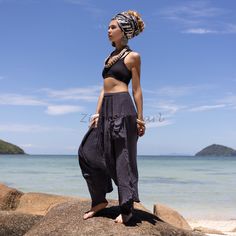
197, 187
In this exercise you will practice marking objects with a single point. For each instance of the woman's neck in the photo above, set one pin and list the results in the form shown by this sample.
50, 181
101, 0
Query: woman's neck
120, 48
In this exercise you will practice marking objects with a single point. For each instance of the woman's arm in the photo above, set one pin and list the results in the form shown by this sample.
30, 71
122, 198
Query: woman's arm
136, 86
95, 117
99, 103
137, 92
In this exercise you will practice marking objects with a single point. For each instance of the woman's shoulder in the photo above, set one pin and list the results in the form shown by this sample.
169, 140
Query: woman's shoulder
134, 56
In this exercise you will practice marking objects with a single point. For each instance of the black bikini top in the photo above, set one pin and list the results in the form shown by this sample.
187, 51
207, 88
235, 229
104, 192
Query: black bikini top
118, 70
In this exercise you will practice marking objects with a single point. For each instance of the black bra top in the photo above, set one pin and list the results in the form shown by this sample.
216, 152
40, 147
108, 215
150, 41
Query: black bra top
118, 70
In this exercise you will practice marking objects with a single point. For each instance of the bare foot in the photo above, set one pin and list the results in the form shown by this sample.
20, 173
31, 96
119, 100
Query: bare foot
123, 218
94, 210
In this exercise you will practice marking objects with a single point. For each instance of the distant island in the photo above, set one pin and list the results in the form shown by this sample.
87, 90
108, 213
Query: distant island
8, 148
216, 150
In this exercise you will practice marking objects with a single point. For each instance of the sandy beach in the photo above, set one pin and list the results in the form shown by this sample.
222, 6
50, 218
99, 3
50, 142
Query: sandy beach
225, 226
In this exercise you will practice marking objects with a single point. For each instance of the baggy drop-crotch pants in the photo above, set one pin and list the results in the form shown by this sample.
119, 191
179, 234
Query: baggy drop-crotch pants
109, 151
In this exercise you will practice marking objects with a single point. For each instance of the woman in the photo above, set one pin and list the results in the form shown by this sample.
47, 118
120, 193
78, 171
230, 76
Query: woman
109, 148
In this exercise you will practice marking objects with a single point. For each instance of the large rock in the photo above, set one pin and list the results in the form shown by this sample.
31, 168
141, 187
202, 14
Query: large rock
170, 216
67, 219
9, 197
137, 205
15, 223
40, 203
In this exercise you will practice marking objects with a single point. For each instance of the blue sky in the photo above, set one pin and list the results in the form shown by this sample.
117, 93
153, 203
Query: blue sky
51, 59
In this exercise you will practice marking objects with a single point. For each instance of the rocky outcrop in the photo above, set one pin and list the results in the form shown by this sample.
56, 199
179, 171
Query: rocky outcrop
170, 216
15, 223
9, 197
40, 203
9, 148
67, 219
216, 150
49, 214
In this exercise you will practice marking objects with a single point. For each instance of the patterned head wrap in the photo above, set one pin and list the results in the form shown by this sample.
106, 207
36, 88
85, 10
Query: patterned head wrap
128, 24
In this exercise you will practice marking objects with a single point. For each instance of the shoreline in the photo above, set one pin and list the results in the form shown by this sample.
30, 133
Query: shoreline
202, 191
225, 226
222, 224
210, 227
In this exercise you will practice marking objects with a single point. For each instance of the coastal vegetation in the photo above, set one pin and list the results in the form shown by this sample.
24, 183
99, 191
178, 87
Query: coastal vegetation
216, 150
8, 148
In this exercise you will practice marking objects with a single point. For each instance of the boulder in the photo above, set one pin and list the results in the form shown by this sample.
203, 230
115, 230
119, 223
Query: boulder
15, 223
9, 197
140, 206
40, 203
170, 216
67, 219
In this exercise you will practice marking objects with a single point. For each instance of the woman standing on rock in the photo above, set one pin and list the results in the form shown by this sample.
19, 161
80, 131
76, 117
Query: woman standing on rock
109, 148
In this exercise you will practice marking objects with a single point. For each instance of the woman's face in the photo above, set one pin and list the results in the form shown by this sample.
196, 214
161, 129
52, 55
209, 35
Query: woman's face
114, 32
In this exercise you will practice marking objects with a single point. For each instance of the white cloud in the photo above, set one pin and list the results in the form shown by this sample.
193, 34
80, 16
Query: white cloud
62, 109
200, 31
175, 91
172, 108
225, 29
20, 100
159, 124
23, 128
27, 145
89, 7
88, 94
30, 128
207, 107
230, 100
178, 91
230, 28
165, 106
199, 17
192, 9
227, 102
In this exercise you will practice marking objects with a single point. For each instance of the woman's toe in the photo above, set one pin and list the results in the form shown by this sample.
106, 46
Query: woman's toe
88, 215
118, 219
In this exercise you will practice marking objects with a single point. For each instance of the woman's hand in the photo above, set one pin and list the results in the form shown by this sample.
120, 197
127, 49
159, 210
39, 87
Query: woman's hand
141, 127
94, 120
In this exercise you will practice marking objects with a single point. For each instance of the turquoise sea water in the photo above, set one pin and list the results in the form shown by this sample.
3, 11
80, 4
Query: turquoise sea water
197, 187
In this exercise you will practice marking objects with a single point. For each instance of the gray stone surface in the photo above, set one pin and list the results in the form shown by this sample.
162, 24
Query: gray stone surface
40, 203
16, 224
170, 216
9, 197
67, 219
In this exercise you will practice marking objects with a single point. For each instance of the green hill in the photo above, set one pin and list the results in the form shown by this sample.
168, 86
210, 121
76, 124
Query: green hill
8, 148
216, 150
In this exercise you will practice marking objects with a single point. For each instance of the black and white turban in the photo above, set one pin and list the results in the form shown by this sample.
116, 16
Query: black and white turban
128, 24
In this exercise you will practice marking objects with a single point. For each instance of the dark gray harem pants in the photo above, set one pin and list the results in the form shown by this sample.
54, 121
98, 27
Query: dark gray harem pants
110, 152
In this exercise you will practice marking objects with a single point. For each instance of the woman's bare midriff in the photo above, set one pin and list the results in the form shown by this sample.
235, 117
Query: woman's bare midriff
112, 85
